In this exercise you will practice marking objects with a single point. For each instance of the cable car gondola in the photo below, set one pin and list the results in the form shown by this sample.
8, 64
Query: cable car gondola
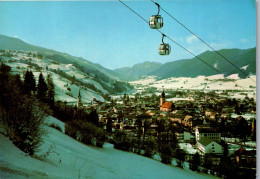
156, 21
164, 49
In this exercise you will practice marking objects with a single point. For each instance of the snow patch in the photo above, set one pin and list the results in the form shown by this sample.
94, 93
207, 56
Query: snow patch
245, 67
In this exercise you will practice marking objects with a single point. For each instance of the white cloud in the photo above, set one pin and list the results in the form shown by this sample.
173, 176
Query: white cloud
191, 39
16, 36
244, 40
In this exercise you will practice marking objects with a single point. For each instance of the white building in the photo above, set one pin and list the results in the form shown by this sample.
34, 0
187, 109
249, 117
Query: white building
208, 146
209, 132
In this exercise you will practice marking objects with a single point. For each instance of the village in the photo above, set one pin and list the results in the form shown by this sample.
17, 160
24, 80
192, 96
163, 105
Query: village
207, 123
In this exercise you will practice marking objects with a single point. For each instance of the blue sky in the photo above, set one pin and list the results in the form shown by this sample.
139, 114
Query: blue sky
108, 33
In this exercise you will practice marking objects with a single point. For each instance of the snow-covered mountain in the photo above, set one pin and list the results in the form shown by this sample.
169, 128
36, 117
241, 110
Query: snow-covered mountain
70, 74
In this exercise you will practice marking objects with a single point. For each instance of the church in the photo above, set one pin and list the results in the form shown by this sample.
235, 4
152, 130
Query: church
165, 105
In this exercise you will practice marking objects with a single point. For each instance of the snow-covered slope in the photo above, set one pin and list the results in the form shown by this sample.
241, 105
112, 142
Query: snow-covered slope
71, 159
65, 89
215, 82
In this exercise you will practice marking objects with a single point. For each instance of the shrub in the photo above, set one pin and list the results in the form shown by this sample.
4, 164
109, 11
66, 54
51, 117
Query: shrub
150, 146
195, 162
86, 132
166, 154
122, 140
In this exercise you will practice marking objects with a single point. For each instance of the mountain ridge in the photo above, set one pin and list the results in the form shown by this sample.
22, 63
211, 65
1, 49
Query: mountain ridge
12, 43
245, 59
193, 67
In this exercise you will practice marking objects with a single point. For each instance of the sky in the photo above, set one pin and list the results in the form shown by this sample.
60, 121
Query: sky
108, 33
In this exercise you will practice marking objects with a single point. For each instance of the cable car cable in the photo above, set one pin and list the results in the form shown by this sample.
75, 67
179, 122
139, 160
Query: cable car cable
204, 42
176, 42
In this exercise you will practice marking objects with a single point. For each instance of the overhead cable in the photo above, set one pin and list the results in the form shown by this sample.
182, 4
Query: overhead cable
175, 41
204, 42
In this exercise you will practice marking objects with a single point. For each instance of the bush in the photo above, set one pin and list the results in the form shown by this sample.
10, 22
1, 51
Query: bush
195, 162
180, 155
86, 132
166, 154
122, 140
150, 147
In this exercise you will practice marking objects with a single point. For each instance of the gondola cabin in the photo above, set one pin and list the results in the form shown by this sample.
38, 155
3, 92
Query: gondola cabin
164, 49
156, 22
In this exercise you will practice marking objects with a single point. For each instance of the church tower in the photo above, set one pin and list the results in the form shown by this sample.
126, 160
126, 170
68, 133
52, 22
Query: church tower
79, 102
162, 99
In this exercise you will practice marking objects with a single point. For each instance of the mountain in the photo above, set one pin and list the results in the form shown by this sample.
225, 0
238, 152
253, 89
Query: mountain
11, 43
243, 59
70, 74
138, 70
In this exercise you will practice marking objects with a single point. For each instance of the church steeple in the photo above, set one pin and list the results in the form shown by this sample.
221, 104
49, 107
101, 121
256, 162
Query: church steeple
162, 99
79, 103
163, 94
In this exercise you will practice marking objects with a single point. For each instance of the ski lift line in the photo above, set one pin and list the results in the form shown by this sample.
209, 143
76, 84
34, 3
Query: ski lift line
170, 38
204, 42
176, 42
190, 52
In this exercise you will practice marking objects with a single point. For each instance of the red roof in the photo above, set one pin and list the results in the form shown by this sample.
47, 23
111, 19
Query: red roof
167, 105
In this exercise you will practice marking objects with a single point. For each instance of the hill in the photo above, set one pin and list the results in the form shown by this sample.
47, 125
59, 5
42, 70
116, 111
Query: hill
10, 43
243, 59
138, 70
68, 158
70, 74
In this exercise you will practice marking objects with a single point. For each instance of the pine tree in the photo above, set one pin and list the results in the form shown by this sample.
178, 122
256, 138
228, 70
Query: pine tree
4, 85
94, 117
41, 88
51, 91
29, 83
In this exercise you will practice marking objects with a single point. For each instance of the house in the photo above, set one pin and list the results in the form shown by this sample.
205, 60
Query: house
211, 115
208, 146
184, 136
209, 132
167, 106
245, 158
191, 121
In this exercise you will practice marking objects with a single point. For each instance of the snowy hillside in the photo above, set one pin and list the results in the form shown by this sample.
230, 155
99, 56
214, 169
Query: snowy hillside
203, 83
68, 79
68, 158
